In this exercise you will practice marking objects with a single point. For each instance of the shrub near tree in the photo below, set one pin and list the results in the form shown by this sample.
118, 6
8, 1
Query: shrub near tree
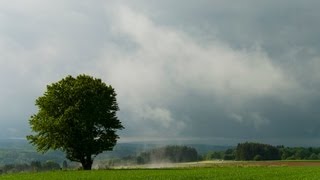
50, 165
64, 164
77, 116
35, 165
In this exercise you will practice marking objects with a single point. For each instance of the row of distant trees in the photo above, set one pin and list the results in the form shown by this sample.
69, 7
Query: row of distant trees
250, 151
228, 154
33, 166
247, 151
256, 151
171, 153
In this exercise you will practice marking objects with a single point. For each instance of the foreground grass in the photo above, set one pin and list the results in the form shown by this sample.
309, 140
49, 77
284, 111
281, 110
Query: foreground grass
223, 172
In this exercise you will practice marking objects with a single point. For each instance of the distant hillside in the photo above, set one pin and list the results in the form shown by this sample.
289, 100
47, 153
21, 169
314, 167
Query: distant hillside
15, 144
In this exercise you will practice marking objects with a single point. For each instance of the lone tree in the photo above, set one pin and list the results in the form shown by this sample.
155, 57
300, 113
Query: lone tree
77, 116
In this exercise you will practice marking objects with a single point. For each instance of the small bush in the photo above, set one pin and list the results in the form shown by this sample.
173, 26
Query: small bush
258, 158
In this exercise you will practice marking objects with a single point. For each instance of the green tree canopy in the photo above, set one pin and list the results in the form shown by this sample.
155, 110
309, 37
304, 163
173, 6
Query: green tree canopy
77, 116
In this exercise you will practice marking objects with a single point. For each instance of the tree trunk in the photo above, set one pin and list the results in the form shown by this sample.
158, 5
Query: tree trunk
87, 164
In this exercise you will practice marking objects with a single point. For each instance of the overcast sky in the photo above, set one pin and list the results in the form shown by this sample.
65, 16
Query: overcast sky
201, 71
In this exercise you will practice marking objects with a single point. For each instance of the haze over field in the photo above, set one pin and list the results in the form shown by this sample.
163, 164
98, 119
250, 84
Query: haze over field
206, 71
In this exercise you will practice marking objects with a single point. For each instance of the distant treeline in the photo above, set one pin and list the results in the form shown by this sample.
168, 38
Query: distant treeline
33, 166
169, 154
247, 151
250, 151
19, 155
256, 151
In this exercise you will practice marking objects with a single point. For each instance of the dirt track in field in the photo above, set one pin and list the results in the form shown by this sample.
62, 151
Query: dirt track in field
285, 163
250, 163
265, 163
222, 164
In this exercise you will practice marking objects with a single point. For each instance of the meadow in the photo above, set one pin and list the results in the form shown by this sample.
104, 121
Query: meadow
247, 170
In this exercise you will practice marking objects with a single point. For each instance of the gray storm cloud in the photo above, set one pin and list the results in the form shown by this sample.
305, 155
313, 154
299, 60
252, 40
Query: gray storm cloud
211, 71
166, 65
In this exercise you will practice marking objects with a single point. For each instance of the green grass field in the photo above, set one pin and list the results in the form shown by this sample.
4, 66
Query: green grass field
215, 172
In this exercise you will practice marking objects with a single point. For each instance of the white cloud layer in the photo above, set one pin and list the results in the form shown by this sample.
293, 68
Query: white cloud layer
166, 64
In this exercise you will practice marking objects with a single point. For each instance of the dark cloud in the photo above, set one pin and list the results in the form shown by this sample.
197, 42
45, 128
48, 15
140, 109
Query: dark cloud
198, 71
